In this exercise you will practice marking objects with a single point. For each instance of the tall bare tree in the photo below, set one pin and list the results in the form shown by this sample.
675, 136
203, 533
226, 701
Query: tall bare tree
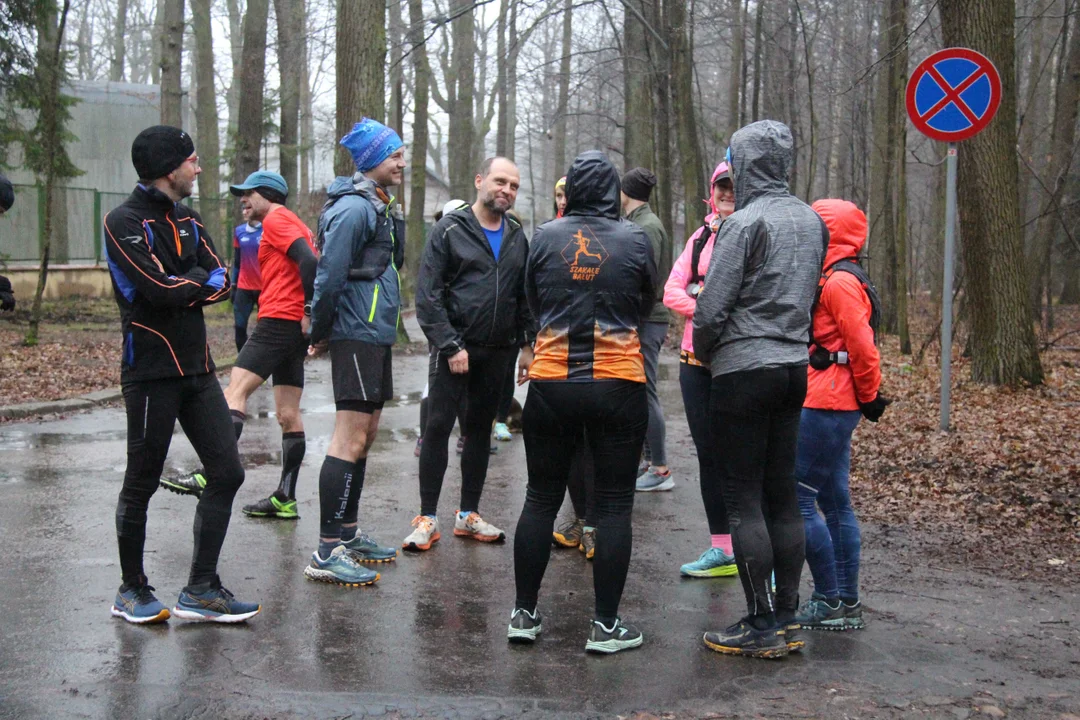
361, 64
639, 143
738, 51
686, 128
1002, 340
172, 52
206, 118
116, 67
252, 79
562, 104
462, 75
414, 229
290, 33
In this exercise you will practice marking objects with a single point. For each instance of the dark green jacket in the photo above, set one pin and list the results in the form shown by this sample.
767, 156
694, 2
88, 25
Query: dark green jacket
646, 219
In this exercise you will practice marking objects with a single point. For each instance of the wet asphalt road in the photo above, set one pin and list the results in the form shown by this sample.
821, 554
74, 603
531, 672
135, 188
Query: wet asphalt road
429, 639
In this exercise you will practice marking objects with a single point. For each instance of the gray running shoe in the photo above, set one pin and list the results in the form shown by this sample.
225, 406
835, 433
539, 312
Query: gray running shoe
524, 626
607, 640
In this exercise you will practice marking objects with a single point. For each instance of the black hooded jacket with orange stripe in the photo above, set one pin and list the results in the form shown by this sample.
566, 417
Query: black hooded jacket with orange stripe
161, 259
590, 280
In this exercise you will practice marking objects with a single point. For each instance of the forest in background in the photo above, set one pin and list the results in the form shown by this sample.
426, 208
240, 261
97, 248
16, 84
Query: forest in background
657, 83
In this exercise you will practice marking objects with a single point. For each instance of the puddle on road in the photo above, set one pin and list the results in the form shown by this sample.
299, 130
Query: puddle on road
23, 440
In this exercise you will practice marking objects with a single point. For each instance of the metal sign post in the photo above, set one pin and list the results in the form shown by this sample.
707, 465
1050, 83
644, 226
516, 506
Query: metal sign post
952, 96
947, 285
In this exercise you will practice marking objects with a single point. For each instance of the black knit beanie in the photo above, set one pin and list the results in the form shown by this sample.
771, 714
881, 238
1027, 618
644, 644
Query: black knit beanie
638, 183
159, 150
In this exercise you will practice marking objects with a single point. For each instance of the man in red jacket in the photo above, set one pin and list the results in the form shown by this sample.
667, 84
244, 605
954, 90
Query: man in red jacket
842, 385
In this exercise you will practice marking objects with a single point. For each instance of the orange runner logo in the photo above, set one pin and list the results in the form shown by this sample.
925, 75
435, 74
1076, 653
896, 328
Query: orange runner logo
584, 254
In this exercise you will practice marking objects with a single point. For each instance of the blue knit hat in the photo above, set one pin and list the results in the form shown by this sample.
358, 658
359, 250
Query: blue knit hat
370, 142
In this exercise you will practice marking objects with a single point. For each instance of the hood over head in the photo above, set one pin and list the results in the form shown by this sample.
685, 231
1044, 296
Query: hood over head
761, 158
847, 228
592, 186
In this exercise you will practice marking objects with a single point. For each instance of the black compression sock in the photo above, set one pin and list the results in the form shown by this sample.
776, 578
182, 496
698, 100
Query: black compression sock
353, 504
293, 447
335, 481
238, 419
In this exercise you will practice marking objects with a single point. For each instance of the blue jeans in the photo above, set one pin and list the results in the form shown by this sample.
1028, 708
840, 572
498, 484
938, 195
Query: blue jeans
244, 301
822, 466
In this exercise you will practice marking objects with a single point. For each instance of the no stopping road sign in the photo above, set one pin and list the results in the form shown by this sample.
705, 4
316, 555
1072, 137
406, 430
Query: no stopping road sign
953, 94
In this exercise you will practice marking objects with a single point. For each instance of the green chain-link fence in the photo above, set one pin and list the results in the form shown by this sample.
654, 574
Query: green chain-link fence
78, 228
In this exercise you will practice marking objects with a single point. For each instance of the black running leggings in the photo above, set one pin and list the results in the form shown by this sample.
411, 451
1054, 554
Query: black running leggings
581, 484
696, 384
480, 387
555, 414
755, 430
153, 407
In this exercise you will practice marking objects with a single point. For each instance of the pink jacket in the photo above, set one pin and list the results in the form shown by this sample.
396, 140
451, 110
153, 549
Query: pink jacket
675, 297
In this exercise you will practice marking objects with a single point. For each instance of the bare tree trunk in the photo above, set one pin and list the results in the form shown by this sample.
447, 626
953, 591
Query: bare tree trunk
462, 155
758, 51
663, 195
290, 29
361, 63
686, 129
236, 42
172, 52
156, 40
1002, 339
395, 115
116, 67
1058, 164
738, 51
511, 83
639, 144
414, 229
559, 144
502, 141
206, 119
307, 123
249, 121
49, 73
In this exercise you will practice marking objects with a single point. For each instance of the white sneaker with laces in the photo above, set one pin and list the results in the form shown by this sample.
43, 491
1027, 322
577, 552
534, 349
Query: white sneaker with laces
425, 535
474, 526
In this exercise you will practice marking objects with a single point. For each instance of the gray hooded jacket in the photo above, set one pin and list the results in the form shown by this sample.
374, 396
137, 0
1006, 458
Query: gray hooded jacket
754, 309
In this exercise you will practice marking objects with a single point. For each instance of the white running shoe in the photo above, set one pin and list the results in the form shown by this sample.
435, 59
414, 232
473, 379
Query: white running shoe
474, 526
502, 432
425, 534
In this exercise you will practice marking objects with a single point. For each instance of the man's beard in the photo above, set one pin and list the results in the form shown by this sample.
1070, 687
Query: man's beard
490, 204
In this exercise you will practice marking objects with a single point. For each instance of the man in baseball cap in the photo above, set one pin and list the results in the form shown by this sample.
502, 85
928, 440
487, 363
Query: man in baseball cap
278, 346
164, 269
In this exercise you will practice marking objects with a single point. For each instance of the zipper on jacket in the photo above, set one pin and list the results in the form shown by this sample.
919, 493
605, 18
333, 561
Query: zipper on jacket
374, 302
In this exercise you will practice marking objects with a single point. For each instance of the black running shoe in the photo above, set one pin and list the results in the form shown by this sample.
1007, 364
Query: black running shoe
524, 626
607, 640
192, 484
272, 507
853, 619
742, 638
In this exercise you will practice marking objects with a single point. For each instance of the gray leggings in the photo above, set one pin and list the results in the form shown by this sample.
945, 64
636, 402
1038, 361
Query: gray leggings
652, 337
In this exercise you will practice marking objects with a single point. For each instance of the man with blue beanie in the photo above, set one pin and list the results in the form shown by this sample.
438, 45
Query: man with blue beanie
354, 315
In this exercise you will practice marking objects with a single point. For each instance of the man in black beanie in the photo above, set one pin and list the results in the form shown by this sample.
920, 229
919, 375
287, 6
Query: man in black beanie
164, 268
637, 185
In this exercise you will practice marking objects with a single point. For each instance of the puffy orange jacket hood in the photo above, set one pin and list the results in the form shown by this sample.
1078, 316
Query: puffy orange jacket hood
847, 228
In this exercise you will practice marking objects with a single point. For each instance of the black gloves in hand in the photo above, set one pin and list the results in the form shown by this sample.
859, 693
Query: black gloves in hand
7, 300
873, 410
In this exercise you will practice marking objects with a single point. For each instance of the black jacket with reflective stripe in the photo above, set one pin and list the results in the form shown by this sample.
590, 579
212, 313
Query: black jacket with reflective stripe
161, 260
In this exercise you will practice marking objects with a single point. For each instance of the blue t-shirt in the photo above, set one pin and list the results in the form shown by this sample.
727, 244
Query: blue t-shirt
495, 238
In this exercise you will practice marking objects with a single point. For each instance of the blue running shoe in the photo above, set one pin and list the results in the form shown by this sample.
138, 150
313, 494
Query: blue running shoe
817, 614
138, 605
714, 562
363, 549
339, 569
653, 481
213, 604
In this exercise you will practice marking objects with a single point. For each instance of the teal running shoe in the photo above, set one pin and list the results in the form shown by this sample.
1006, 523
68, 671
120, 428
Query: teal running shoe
714, 562
137, 604
339, 569
193, 484
817, 614
213, 603
363, 549
853, 619
502, 432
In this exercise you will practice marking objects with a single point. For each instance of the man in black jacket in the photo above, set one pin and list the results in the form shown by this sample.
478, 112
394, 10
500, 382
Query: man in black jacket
164, 268
470, 302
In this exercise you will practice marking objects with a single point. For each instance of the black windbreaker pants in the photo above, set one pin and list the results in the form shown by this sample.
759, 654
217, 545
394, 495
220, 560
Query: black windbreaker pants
556, 414
153, 407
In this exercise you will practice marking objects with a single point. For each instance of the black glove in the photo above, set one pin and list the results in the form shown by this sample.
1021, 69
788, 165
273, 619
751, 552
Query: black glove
7, 300
873, 410
197, 274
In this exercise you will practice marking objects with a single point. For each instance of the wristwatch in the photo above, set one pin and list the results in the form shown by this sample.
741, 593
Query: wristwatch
307, 309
